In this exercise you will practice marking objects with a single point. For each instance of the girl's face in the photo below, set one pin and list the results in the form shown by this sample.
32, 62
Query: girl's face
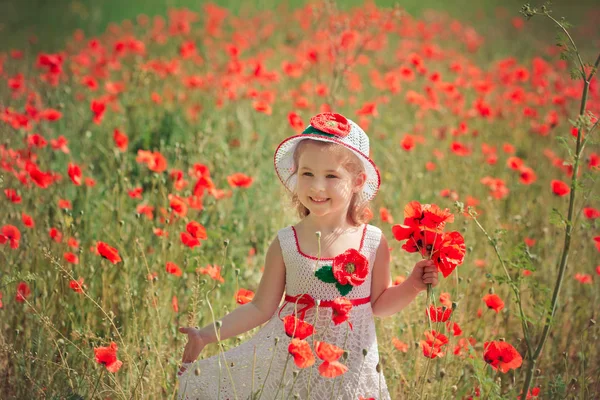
324, 186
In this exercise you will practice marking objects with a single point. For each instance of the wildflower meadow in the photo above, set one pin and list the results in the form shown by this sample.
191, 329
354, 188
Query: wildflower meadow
138, 193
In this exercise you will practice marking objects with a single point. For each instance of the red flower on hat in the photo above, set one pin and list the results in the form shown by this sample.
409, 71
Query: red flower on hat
332, 123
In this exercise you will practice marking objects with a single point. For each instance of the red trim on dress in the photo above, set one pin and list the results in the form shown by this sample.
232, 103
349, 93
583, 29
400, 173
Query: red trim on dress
362, 242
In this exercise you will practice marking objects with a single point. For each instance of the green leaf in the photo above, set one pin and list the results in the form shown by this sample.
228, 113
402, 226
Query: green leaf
557, 219
325, 274
343, 289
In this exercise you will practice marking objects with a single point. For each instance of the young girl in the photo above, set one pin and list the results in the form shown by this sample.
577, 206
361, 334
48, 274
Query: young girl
330, 263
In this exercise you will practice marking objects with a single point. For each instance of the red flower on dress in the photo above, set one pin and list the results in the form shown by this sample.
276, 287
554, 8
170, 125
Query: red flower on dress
340, 310
332, 123
108, 357
501, 355
330, 368
297, 328
108, 252
300, 350
350, 267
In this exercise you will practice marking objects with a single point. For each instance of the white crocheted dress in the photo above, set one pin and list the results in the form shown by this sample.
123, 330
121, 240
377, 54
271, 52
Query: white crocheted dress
267, 358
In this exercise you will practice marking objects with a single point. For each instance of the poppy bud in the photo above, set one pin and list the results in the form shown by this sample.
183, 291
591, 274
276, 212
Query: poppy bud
318, 233
378, 368
226, 242
454, 388
364, 352
295, 374
345, 355
276, 340
218, 324
454, 305
197, 371
491, 291
442, 373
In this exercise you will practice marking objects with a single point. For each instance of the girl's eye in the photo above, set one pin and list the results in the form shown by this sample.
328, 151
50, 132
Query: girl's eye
307, 174
331, 176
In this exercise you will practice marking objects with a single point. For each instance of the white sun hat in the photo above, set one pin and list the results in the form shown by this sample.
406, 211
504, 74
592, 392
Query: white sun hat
335, 128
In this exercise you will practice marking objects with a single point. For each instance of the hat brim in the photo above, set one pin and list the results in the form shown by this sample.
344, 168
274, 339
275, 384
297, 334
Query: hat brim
284, 164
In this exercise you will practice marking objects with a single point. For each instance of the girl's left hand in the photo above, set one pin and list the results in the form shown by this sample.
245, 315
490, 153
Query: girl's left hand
424, 272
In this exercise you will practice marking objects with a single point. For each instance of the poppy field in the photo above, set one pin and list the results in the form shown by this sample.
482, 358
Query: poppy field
138, 193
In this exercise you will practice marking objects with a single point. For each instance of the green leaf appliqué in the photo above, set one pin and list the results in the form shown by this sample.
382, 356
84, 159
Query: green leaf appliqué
325, 274
343, 289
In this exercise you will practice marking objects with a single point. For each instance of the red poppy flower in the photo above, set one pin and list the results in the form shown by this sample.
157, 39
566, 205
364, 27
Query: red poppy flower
64, 204
244, 296
295, 121
454, 328
400, 345
451, 253
262, 107
10, 233
136, 193
583, 278
98, 108
300, 350
439, 314
385, 215
50, 114
71, 258
435, 338
77, 285
108, 357
431, 351
527, 176
196, 230
332, 123
332, 369
121, 140
27, 220
350, 267
502, 356
591, 213
560, 188
11, 194
494, 302
173, 268
240, 180
74, 172
1, 300
340, 310
178, 205
23, 292
55, 234
297, 328
189, 240
108, 252
214, 271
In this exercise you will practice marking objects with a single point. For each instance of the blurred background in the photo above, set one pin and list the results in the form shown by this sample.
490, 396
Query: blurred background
52, 20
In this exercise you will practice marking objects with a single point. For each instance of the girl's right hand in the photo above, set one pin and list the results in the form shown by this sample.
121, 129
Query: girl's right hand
193, 347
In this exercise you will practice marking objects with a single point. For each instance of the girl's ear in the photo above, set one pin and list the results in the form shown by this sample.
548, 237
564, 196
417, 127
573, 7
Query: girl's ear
359, 182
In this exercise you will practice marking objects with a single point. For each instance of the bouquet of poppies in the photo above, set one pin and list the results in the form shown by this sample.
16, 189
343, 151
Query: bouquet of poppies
423, 231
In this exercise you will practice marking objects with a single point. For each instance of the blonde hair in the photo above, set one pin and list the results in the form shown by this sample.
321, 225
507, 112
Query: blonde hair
357, 211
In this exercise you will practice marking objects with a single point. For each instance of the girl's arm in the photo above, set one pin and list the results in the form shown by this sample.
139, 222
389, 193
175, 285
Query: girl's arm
386, 299
263, 305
